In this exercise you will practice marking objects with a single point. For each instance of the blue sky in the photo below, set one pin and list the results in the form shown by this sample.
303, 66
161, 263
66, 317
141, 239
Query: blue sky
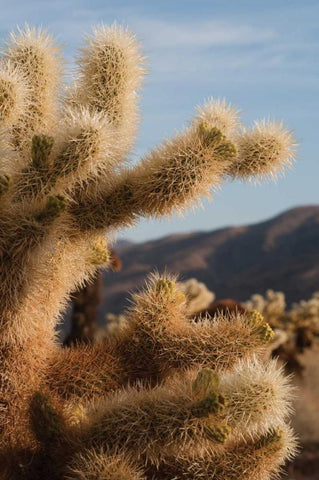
261, 56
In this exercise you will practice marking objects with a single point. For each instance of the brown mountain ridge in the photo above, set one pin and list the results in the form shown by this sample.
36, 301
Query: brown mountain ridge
281, 253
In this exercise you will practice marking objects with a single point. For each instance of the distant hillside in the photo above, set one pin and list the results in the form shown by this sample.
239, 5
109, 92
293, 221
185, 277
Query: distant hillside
281, 253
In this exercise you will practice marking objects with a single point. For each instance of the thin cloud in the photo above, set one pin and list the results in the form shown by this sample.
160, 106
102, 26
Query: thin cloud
164, 34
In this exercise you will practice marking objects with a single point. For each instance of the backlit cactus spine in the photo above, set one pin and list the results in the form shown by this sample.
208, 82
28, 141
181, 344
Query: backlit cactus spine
69, 413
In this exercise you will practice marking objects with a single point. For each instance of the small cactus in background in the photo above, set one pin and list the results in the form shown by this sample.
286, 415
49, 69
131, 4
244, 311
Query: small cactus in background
198, 297
296, 329
137, 405
272, 306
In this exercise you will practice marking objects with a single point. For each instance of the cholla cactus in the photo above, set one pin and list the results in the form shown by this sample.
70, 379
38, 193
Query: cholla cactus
305, 314
198, 297
164, 397
272, 306
295, 329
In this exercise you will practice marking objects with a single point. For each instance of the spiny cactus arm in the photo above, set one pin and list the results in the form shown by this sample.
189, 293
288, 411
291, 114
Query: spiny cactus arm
161, 337
111, 68
14, 102
101, 113
258, 459
188, 412
171, 178
35, 53
84, 148
265, 151
157, 339
22, 241
178, 173
220, 342
153, 422
98, 126
257, 396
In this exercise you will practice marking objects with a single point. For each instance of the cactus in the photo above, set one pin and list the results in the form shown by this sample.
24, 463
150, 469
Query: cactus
296, 329
137, 405
198, 296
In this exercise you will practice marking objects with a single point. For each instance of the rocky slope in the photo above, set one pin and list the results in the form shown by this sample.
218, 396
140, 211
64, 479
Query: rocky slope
281, 253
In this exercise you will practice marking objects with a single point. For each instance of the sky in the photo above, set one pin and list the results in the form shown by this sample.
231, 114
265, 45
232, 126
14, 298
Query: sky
260, 56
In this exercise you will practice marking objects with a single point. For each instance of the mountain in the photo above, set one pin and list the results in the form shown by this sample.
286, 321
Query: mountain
281, 253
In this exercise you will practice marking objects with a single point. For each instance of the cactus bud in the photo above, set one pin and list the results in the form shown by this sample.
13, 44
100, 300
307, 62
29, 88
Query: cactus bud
206, 382
212, 404
270, 438
165, 287
218, 433
40, 150
99, 254
212, 137
209, 135
53, 208
263, 329
206, 385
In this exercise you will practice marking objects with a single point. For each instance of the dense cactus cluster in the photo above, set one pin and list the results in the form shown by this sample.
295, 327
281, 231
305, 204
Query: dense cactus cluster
163, 397
272, 305
296, 329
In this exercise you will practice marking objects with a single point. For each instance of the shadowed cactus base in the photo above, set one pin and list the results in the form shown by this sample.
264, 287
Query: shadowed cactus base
163, 396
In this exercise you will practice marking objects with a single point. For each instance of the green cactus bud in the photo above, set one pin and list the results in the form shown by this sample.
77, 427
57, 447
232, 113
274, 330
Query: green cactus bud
210, 135
270, 438
213, 137
266, 332
206, 385
212, 404
40, 150
226, 150
100, 254
256, 317
165, 287
263, 329
217, 433
53, 208
206, 382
